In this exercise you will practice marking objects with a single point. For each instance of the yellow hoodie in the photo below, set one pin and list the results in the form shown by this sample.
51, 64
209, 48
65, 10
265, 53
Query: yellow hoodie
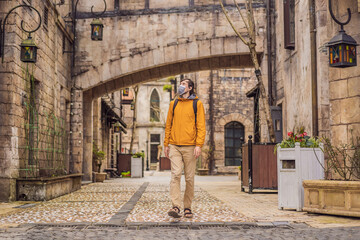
182, 130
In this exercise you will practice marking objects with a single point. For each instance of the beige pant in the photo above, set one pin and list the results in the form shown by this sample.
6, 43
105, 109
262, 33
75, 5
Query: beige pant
180, 156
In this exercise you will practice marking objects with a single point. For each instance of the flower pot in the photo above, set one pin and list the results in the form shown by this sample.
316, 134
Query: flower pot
295, 165
136, 167
332, 197
99, 177
203, 171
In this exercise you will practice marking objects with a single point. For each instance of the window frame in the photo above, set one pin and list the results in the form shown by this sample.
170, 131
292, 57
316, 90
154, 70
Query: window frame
233, 138
288, 18
152, 110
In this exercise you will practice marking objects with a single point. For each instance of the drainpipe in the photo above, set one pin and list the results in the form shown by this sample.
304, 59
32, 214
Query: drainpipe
314, 87
211, 162
269, 60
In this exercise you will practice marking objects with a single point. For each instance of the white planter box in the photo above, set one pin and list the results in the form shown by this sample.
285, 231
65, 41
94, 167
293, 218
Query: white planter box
295, 165
136, 167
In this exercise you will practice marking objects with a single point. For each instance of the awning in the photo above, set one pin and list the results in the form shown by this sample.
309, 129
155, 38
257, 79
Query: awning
254, 91
111, 116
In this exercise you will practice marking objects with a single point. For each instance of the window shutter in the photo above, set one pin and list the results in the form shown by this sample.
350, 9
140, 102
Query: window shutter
289, 24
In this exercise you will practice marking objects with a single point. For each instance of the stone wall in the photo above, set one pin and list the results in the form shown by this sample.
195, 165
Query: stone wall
42, 88
338, 89
147, 41
229, 104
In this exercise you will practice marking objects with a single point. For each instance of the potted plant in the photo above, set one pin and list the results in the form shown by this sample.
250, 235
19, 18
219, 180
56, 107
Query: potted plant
98, 158
299, 157
340, 193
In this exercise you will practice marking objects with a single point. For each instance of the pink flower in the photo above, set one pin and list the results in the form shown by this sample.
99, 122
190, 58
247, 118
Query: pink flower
290, 133
305, 134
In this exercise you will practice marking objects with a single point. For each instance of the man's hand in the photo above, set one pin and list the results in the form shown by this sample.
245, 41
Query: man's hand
197, 151
167, 151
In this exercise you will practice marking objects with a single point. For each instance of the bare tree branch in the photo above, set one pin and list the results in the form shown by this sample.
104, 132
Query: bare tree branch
232, 25
242, 16
252, 48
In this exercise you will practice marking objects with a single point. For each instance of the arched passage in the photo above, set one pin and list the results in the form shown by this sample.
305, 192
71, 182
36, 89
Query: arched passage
218, 62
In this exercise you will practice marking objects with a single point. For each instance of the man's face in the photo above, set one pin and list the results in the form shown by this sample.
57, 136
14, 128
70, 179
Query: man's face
186, 85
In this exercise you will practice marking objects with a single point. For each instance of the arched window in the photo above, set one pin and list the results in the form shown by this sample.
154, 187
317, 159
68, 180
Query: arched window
154, 107
234, 138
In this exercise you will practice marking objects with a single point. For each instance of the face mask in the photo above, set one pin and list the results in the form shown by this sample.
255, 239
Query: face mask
181, 90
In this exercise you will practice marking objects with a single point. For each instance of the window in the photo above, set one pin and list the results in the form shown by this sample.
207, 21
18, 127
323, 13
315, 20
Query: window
154, 107
234, 138
63, 43
46, 15
289, 24
154, 143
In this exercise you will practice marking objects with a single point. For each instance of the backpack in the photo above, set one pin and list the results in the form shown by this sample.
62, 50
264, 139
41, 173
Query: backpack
194, 106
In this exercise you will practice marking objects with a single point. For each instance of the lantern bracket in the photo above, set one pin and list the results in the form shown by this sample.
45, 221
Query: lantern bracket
2, 30
97, 15
336, 20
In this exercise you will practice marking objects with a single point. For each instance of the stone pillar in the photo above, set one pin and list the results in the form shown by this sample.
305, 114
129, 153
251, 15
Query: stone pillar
76, 127
97, 122
88, 135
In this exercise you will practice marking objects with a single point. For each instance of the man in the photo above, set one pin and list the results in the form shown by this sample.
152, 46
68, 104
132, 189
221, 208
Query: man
184, 137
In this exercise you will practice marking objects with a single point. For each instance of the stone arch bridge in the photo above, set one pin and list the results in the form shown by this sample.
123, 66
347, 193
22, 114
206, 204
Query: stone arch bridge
148, 43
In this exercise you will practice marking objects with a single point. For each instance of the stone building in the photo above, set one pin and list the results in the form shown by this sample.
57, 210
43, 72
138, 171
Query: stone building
35, 98
151, 110
41, 128
324, 99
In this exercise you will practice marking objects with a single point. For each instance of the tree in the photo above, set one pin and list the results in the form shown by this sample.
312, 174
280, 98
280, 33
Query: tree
136, 90
251, 43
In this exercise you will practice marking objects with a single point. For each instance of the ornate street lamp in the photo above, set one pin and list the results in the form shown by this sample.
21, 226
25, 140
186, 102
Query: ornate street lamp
342, 47
28, 51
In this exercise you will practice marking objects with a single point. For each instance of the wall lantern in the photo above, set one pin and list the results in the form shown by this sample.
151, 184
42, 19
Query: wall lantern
97, 26
342, 47
117, 127
96, 30
28, 51
126, 92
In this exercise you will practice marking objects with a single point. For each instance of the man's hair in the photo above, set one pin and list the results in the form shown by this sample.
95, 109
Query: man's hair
190, 84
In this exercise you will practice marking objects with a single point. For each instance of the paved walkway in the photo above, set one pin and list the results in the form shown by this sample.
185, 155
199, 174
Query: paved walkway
123, 207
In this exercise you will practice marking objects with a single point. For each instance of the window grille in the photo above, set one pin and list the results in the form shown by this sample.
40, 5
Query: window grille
234, 138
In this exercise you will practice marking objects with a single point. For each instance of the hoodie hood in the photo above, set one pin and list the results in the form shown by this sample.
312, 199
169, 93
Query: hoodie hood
191, 97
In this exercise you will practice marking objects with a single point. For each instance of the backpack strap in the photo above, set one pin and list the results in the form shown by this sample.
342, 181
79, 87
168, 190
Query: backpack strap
175, 103
194, 107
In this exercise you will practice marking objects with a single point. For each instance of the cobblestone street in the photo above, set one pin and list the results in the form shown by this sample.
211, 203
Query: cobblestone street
137, 209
